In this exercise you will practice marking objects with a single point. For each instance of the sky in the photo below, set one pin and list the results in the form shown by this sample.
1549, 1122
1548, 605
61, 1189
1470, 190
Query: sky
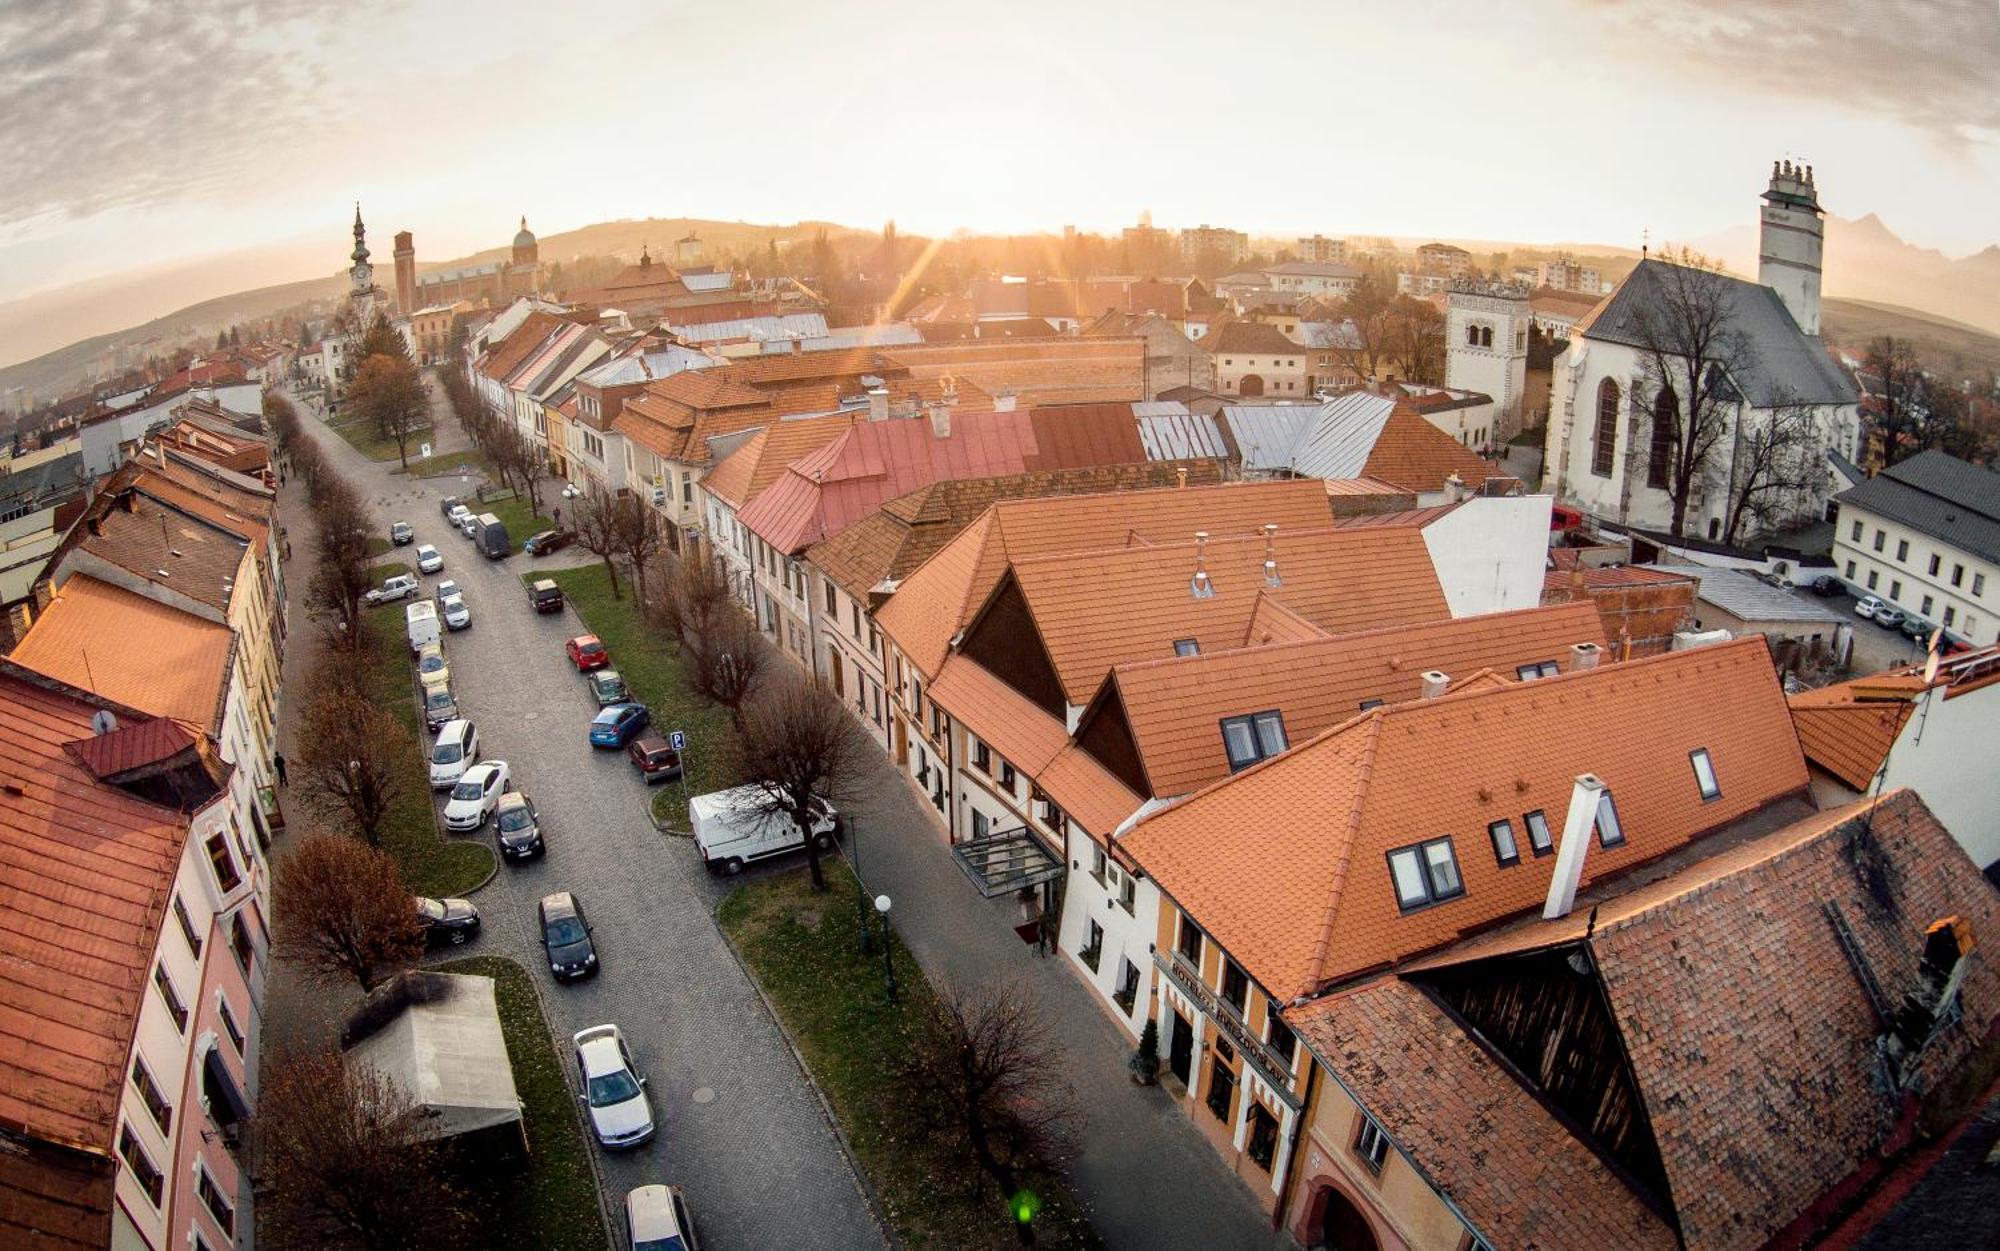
138, 134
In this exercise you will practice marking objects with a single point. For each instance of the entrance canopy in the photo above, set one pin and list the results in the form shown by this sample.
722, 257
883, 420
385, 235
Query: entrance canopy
1004, 861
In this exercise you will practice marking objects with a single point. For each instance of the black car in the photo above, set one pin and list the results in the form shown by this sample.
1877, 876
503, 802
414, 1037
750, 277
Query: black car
1826, 587
447, 922
566, 936
546, 541
518, 828
448, 503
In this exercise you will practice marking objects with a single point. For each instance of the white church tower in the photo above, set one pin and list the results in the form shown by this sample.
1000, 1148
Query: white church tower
1486, 347
1790, 241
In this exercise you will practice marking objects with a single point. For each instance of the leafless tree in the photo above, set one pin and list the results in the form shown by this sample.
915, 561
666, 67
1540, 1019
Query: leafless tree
1775, 467
342, 911
982, 1078
802, 749
640, 536
1413, 332
348, 1160
1899, 391
388, 393
728, 662
350, 750
333, 594
693, 595
594, 518
1366, 309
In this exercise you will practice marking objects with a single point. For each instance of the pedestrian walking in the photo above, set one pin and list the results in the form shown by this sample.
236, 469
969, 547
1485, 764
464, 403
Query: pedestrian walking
278, 762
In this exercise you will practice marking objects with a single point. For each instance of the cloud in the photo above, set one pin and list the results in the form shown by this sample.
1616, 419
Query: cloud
1933, 65
123, 103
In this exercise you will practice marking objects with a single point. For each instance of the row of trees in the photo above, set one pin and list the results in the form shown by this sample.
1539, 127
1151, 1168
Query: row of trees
1915, 412
520, 462
1392, 333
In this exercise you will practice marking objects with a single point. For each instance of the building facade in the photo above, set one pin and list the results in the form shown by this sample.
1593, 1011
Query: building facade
1486, 349
1924, 535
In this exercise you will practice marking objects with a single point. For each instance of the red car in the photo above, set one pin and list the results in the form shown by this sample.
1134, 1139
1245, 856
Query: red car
655, 761
587, 652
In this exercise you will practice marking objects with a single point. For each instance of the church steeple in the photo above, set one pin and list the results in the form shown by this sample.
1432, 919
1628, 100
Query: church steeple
360, 275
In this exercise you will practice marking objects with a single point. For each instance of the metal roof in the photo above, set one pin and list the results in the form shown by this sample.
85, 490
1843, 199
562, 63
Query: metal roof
1328, 440
1948, 499
1179, 435
1746, 597
780, 326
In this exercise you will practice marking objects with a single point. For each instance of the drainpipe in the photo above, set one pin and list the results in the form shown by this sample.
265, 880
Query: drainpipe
1291, 1160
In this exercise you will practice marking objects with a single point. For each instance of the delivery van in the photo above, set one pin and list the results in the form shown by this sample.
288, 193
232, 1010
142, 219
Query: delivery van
731, 828
491, 537
421, 618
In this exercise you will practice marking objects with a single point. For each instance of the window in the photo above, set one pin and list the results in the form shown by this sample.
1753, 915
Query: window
1097, 862
1926, 609
212, 1198
1537, 669
1252, 737
1950, 612
1895, 588
1221, 1090
226, 874
1855, 535
176, 1008
1871, 579
1007, 776
1186, 647
1505, 849
1128, 893
982, 758
1538, 832
1127, 993
239, 941
1278, 1036
152, 1096
832, 600
1935, 560
1425, 873
1666, 425
144, 1171
1366, 704
1979, 584
1235, 986
1850, 569
1371, 1144
1187, 943
1704, 773
1957, 574
1881, 537
1902, 549
1609, 832
1093, 947
981, 824
188, 931
1263, 1143
229, 1025
1604, 441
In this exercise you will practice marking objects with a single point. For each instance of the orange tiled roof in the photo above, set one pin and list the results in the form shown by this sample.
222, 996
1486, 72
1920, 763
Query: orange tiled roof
254, 528
1060, 370
528, 337
1173, 705
1272, 622
84, 638
941, 595
1006, 719
745, 472
1847, 735
1098, 609
1317, 903
1413, 454
87, 870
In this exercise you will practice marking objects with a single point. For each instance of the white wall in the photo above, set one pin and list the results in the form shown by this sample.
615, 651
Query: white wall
1489, 553
1127, 935
1974, 616
1945, 754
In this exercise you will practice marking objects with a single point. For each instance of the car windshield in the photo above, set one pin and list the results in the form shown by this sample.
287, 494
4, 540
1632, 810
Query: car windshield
591, 649
612, 1088
513, 819
470, 788
565, 930
430, 908
437, 700
609, 716
431, 664
672, 1242
449, 753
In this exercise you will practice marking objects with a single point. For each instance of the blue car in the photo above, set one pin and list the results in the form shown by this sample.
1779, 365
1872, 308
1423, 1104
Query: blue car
618, 725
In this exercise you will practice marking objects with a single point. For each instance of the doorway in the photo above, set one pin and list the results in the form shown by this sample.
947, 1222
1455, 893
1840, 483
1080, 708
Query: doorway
1342, 1227
1252, 384
1180, 1049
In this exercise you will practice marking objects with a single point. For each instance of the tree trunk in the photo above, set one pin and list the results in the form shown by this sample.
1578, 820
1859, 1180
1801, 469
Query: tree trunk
814, 870
611, 571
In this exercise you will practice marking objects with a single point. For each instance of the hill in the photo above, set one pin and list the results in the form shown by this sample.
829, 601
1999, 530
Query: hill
1953, 348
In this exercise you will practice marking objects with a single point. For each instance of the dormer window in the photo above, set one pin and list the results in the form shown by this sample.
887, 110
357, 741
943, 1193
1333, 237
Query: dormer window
1609, 832
1252, 737
1540, 669
1505, 850
1704, 774
1425, 873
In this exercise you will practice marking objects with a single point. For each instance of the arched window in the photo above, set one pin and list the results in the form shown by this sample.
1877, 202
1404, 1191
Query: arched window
1605, 441
1666, 431
1472, 336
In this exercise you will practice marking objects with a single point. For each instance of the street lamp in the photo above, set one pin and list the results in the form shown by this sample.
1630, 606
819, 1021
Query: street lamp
888, 963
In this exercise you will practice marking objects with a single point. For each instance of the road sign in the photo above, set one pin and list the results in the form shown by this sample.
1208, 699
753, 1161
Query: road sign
678, 740
425, 451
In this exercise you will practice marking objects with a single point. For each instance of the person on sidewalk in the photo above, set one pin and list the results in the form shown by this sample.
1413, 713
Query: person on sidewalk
278, 763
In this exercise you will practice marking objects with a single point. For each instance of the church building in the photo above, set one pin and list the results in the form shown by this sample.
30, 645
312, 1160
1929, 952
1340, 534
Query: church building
1777, 409
492, 283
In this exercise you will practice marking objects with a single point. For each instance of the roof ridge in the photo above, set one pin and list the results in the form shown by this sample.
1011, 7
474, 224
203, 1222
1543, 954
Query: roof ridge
1337, 887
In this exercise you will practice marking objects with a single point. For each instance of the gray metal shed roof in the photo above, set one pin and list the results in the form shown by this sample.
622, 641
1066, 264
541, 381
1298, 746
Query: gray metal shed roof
449, 1055
1746, 597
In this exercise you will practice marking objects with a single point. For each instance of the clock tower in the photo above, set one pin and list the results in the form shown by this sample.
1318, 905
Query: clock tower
362, 290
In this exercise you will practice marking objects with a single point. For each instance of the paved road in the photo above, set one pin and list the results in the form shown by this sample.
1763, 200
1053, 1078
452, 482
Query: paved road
739, 1127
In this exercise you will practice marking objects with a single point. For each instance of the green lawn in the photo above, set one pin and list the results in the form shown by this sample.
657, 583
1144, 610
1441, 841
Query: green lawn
431, 865
469, 461
520, 521
554, 1203
802, 949
652, 668
379, 545
365, 441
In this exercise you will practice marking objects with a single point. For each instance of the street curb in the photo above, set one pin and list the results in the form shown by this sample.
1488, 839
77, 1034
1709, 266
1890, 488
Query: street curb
861, 1181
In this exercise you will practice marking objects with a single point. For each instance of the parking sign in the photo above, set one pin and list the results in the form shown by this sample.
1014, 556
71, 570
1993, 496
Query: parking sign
678, 740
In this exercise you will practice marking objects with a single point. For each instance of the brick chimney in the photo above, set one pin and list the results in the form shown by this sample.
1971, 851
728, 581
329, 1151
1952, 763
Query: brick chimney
1584, 799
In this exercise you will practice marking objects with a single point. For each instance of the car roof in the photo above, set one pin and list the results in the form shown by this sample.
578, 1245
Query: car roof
515, 799
649, 1210
560, 903
586, 638
600, 1053
651, 742
479, 772
545, 584
454, 598
455, 726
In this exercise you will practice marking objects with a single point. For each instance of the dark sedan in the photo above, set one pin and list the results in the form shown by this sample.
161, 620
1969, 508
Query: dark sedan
566, 937
546, 541
447, 921
618, 725
518, 827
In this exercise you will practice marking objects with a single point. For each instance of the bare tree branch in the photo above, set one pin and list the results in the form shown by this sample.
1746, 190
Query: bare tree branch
343, 911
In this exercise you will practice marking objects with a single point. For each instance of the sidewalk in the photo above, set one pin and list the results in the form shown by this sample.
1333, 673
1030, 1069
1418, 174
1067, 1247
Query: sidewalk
1144, 1175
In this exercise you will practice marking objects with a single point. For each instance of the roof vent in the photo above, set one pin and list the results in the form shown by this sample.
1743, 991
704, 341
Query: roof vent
1435, 682
1200, 586
1584, 656
1585, 798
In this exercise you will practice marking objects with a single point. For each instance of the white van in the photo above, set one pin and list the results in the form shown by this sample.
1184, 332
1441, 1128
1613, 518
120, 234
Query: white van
456, 749
730, 828
421, 617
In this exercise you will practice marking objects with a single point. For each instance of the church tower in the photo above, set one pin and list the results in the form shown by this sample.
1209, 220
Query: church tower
406, 272
1486, 347
1790, 240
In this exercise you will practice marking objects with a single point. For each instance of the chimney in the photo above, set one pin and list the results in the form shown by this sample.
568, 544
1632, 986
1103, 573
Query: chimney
1005, 402
1180, 476
1200, 586
1584, 656
941, 420
1435, 681
1454, 486
1584, 799
878, 403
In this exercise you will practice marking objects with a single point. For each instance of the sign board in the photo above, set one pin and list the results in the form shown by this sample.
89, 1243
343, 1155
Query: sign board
678, 740
425, 451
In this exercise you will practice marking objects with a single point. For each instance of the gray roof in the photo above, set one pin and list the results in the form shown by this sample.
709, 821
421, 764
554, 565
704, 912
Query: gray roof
1747, 598
645, 367
1314, 269
1788, 365
781, 326
1178, 434
447, 1053
1950, 500
1326, 440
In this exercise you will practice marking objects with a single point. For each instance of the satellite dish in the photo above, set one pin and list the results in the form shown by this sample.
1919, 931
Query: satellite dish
103, 721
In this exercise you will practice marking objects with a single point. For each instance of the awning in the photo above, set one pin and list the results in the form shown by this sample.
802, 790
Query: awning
1004, 861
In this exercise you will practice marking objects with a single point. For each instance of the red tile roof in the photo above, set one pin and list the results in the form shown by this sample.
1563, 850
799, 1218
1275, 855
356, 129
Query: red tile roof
1317, 904
1413, 454
1007, 720
742, 475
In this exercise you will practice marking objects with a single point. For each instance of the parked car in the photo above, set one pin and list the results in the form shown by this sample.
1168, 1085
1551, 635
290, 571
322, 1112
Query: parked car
614, 1094
431, 666
657, 1219
608, 688
444, 589
395, 587
400, 533
456, 748
546, 596
518, 827
618, 725
1915, 627
1826, 586
731, 828
447, 921
1869, 605
456, 615
491, 537
566, 936
449, 505
476, 796
587, 652
543, 542
420, 621
655, 761
429, 560
1889, 617
440, 708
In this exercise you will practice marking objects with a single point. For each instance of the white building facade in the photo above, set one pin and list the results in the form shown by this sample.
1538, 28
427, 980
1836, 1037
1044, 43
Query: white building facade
1486, 348
1925, 535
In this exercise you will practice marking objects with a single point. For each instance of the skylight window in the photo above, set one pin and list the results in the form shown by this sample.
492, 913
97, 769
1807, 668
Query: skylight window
1425, 873
1609, 832
1540, 669
1187, 647
1252, 737
1505, 849
1538, 832
1704, 773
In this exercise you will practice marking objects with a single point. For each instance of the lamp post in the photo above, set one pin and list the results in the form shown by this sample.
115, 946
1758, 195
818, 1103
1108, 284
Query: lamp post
888, 963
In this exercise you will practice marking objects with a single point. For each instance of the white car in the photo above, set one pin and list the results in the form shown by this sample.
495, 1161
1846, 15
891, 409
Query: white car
476, 796
468, 525
444, 590
428, 560
658, 1220
613, 1092
397, 586
457, 517
456, 615
456, 748
1868, 605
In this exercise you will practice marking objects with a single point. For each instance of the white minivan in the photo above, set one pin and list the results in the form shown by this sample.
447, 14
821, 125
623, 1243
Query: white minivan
731, 829
421, 618
456, 748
